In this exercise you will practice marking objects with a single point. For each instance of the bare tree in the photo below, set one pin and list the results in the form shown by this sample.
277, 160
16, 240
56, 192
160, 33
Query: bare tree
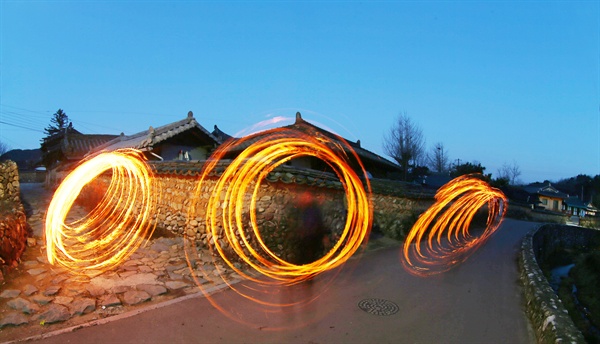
404, 142
438, 159
510, 172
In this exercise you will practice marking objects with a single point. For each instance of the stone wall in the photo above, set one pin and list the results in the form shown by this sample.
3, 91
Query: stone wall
394, 215
13, 223
395, 204
548, 316
551, 237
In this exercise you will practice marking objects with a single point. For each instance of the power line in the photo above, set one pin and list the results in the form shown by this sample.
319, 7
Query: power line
20, 126
78, 122
26, 120
41, 118
21, 119
45, 113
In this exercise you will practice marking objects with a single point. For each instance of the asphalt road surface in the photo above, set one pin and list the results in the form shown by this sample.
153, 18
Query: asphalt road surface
480, 301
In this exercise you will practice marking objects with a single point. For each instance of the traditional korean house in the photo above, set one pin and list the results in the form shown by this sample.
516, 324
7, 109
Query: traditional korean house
576, 207
70, 146
182, 140
375, 165
546, 196
65, 149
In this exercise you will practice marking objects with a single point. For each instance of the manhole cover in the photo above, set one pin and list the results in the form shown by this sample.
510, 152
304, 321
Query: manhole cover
378, 306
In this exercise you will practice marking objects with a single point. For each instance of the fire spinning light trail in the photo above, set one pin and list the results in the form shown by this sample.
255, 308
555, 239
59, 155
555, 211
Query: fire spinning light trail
448, 241
238, 187
116, 227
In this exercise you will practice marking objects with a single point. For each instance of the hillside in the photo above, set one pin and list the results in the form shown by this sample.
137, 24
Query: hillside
26, 159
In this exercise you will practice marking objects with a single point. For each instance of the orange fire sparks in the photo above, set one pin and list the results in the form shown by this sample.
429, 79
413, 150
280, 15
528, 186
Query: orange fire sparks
116, 227
237, 190
448, 240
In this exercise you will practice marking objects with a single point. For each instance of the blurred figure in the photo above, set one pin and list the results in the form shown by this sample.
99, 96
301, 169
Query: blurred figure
308, 243
311, 232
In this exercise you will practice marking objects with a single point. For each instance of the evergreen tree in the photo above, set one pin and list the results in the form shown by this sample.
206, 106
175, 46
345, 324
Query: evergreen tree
58, 122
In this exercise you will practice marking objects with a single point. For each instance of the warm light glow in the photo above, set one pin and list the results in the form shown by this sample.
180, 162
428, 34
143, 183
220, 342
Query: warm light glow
116, 227
235, 193
431, 249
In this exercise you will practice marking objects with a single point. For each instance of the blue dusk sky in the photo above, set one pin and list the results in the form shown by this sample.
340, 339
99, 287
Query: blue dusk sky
495, 82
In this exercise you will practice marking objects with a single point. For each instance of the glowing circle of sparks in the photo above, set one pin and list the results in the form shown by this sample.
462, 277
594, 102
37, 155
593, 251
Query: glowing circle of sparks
117, 225
239, 185
433, 248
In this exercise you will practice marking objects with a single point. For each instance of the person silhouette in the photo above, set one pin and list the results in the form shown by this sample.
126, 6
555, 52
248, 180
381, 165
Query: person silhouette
311, 232
309, 240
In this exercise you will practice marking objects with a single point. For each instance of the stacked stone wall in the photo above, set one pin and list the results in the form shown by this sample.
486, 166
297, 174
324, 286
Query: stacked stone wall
548, 315
13, 223
394, 215
275, 203
550, 238
9, 182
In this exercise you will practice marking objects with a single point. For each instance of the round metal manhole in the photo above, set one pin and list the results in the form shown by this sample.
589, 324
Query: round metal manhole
378, 306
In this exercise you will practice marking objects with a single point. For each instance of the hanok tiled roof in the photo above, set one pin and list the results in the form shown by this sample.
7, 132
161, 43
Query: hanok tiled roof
70, 144
76, 146
219, 134
307, 128
146, 139
56, 141
577, 203
545, 189
364, 154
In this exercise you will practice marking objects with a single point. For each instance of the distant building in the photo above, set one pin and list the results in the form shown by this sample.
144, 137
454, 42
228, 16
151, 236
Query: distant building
575, 206
546, 196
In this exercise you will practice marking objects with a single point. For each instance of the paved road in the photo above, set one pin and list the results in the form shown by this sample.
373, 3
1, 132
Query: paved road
478, 302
